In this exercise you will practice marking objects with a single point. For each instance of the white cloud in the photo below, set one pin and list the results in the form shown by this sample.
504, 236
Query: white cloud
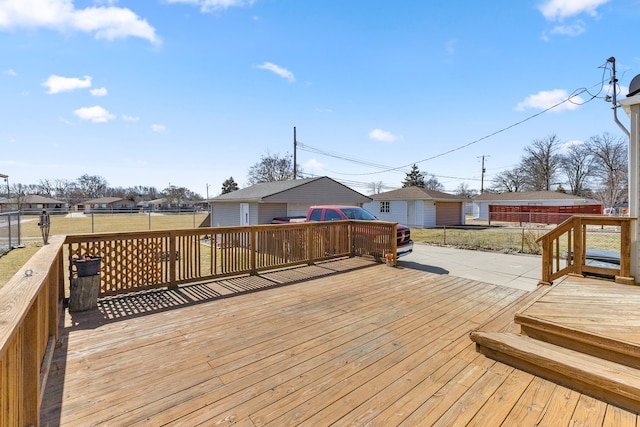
108, 23
546, 99
158, 128
313, 164
383, 135
560, 9
572, 30
282, 72
10, 72
130, 118
100, 91
566, 145
95, 114
57, 84
450, 46
214, 5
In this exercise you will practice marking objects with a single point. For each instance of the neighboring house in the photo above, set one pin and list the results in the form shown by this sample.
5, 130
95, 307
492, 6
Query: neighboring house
418, 207
260, 203
525, 198
107, 204
32, 204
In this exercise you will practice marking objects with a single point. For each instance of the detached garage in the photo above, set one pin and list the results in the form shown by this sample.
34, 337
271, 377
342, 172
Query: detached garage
418, 207
260, 203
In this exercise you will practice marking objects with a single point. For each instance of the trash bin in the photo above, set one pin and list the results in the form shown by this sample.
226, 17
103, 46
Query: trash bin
84, 289
87, 266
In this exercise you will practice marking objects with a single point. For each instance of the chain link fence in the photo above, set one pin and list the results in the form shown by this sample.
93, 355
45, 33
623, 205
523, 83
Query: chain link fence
510, 239
9, 231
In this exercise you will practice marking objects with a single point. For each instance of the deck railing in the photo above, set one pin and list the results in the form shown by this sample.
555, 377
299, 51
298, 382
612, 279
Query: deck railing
32, 301
30, 308
136, 261
564, 249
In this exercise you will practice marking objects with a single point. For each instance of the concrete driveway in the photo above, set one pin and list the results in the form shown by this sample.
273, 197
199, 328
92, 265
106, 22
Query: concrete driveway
515, 271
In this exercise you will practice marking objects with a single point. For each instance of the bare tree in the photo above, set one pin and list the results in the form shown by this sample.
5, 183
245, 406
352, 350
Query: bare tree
272, 167
432, 183
464, 190
577, 165
92, 186
376, 187
610, 167
540, 163
510, 181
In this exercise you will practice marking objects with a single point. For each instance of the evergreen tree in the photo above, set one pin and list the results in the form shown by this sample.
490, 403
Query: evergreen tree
229, 185
415, 178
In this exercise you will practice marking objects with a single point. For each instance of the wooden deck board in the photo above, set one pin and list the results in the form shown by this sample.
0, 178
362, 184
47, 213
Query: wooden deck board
344, 343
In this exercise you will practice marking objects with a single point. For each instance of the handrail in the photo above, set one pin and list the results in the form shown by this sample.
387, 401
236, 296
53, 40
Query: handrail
135, 261
29, 317
574, 249
32, 301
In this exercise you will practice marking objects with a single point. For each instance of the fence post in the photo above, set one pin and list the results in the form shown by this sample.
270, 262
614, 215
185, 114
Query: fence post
310, 228
92, 223
522, 242
444, 235
149, 220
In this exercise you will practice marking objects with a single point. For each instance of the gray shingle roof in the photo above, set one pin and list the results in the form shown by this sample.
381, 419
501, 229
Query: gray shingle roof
418, 193
259, 192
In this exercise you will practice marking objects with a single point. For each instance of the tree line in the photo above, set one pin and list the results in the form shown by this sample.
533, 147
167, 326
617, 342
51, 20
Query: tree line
597, 168
88, 187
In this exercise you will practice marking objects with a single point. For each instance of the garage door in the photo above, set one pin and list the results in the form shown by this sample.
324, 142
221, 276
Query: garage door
448, 213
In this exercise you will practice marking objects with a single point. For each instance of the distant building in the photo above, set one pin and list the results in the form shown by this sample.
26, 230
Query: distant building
418, 207
260, 203
525, 198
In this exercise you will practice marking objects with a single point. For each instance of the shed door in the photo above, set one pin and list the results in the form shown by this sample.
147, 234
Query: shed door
244, 214
448, 213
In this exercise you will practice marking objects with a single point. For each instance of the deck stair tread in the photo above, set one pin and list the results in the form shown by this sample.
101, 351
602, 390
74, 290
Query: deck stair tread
587, 341
504, 320
613, 382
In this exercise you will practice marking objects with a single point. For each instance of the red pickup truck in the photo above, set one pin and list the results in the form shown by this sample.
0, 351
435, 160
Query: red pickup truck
338, 212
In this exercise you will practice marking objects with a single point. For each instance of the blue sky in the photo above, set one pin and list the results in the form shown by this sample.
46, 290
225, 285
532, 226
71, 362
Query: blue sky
191, 92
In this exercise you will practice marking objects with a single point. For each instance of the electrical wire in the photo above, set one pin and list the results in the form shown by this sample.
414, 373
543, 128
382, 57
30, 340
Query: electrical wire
575, 93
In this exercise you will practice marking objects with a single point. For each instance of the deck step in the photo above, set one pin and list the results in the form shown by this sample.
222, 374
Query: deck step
609, 381
503, 321
584, 341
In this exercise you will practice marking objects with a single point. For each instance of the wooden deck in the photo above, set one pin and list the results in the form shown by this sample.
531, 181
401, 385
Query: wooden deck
344, 343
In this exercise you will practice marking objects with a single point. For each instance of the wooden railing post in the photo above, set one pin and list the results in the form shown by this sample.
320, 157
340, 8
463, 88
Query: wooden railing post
579, 248
625, 255
173, 260
253, 248
310, 231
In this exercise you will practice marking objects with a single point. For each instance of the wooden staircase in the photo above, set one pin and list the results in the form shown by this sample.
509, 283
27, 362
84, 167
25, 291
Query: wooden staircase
595, 358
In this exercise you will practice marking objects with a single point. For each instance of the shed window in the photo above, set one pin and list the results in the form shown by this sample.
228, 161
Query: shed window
384, 207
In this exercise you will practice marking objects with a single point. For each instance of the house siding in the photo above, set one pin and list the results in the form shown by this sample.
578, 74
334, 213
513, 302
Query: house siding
225, 214
268, 211
429, 214
397, 211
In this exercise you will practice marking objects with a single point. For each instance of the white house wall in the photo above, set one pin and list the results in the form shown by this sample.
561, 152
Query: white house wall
429, 214
397, 211
268, 211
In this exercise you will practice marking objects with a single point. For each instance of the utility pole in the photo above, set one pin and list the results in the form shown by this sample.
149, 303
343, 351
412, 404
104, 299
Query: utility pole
482, 176
207, 191
295, 154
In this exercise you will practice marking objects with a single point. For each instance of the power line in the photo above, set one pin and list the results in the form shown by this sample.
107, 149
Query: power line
385, 169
